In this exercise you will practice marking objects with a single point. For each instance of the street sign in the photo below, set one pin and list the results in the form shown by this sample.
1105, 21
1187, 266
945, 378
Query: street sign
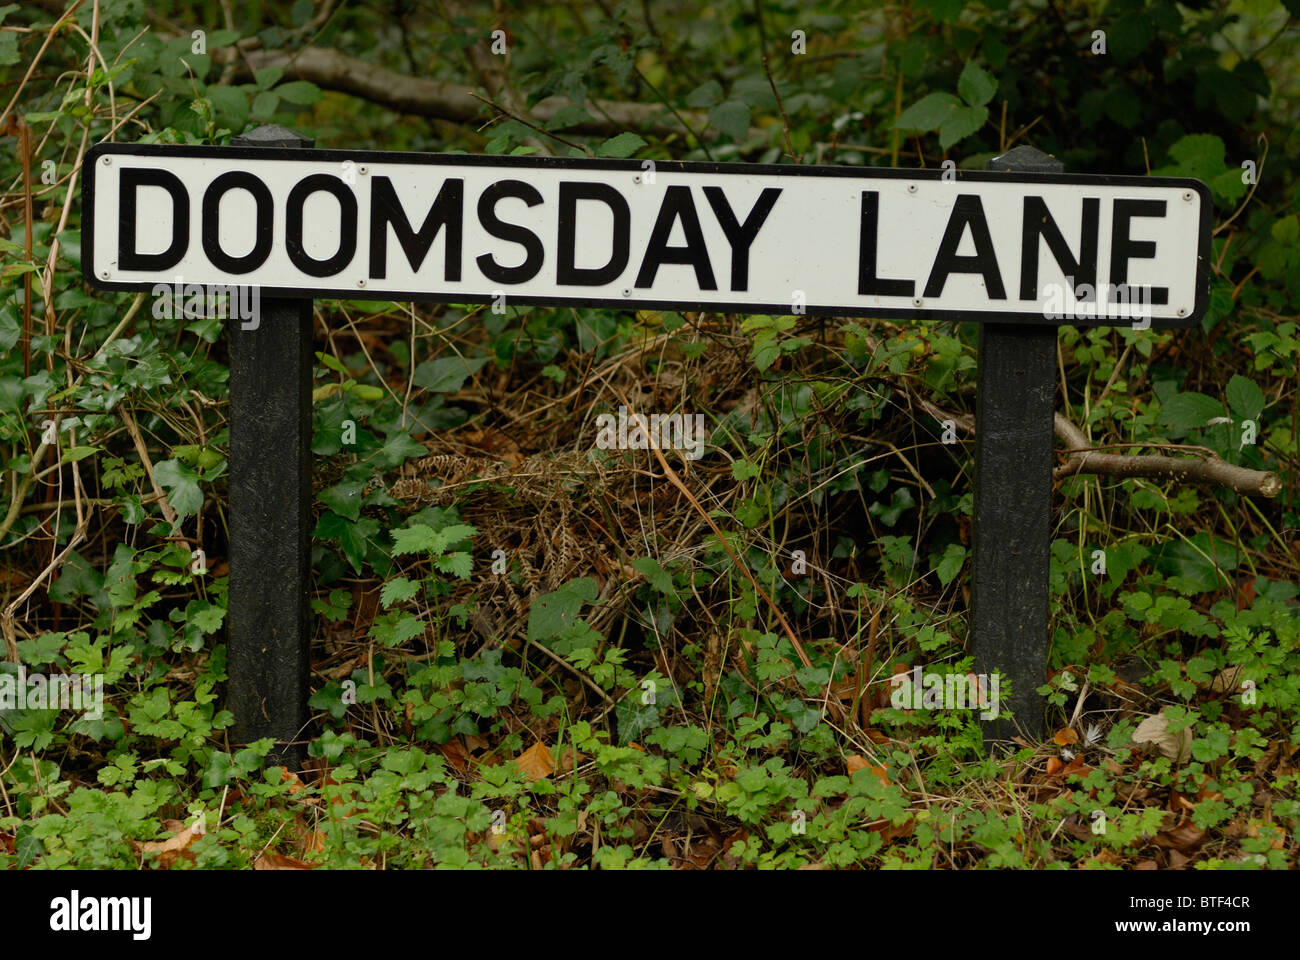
628, 234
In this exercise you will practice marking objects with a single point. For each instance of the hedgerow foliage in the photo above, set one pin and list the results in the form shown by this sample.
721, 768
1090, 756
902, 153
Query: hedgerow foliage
530, 652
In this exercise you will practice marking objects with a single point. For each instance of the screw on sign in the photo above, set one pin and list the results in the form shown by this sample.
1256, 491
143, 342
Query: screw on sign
1020, 248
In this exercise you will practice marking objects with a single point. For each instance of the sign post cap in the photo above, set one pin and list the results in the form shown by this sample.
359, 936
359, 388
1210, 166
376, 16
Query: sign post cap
272, 135
1026, 159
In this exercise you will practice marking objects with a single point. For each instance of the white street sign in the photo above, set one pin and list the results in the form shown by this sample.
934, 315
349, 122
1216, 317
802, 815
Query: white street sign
634, 234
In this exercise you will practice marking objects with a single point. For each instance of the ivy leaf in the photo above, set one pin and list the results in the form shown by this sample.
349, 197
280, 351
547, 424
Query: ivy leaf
182, 486
344, 498
975, 86
553, 613
446, 374
398, 447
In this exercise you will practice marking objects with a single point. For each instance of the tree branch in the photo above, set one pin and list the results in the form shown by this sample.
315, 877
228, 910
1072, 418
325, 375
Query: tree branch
332, 70
1083, 458
1212, 469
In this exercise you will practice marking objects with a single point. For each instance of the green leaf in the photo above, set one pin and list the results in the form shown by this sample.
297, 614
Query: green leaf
951, 563
208, 618
446, 374
624, 145
10, 329
1245, 398
78, 453
553, 613
765, 350
1220, 303
417, 538
706, 95
732, 118
455, 533
659, 578
391, 633
945, 11
1229, 186
961, 123
742, 470
1184, 412
335, 607
182, 486
928, 113
458, 564
975, 86
397, 591
264, 104
398, 447
302, 92
1198, 155
268, 77
344, 498
1129, 35
569, 115
231, 104
8, 49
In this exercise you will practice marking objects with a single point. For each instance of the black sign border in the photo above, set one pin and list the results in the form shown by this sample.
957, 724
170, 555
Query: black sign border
92, 157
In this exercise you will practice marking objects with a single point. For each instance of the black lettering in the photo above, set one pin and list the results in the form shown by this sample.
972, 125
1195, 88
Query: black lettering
385, 209
237, 180
534, 254
677, 204
1123, 248
741, 237
1038, 223
131, 180
968, 210
566, 271
868, 282
347, 231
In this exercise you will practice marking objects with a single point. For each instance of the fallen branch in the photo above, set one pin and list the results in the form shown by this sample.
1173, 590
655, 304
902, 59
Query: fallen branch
332, 70
1084, 458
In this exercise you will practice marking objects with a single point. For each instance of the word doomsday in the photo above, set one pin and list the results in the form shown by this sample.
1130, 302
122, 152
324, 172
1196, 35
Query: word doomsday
745, 238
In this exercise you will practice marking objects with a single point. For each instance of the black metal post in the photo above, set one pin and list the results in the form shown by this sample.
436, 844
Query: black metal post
269, 630
1011, 532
